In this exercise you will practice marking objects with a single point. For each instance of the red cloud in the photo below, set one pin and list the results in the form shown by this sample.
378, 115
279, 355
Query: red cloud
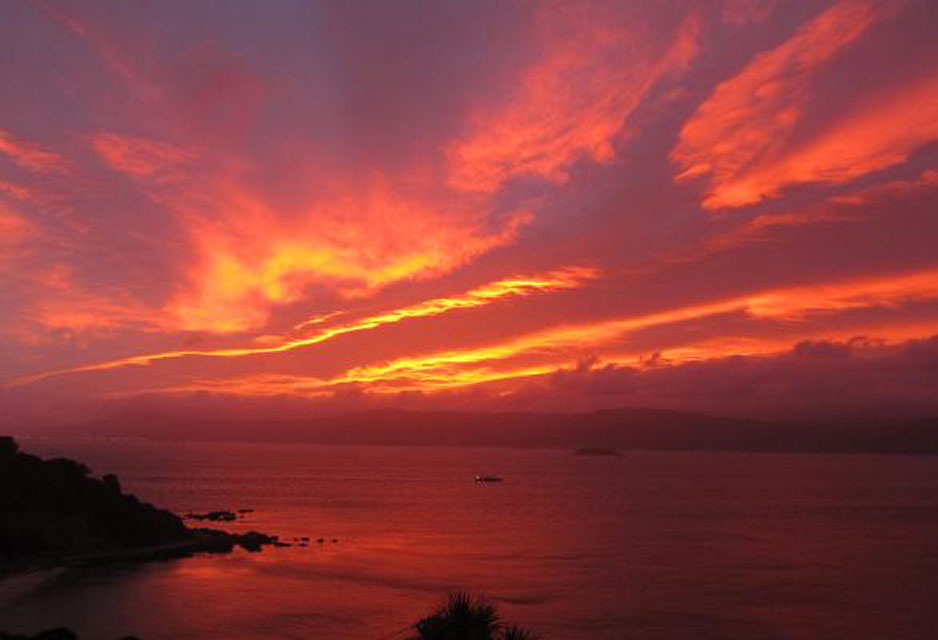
573, 104
737, 138
29, 156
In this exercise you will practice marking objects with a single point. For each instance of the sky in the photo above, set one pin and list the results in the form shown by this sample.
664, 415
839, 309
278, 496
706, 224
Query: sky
283, 208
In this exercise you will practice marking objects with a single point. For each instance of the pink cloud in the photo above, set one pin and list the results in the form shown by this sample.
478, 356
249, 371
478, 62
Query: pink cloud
736, 140
574, 103
28, 155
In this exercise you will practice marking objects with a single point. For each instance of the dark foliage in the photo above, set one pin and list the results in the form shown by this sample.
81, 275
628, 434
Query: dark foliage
467, 617
53, 512
59, 633
514, 632
52, 509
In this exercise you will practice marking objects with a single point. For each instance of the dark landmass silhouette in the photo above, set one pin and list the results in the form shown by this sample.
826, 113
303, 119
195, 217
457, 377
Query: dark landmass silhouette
622, 429
58, 633
54, 513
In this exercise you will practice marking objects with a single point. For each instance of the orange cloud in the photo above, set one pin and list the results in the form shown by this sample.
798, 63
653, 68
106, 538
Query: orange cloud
260, 385
29, 156
573, 104
556, 344
895, 188
14, 191
545, 352
251, 256
519, 286
463, 366
12, 226
798, 302
726, 347
66, 305
141, 157
355, 244
737, 138
881, 134
431, 376
14, 231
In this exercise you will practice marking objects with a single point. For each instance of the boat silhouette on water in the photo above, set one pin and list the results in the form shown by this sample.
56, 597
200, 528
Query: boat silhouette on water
489, 478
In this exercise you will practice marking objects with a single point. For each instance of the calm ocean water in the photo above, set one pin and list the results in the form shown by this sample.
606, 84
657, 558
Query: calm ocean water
639, 546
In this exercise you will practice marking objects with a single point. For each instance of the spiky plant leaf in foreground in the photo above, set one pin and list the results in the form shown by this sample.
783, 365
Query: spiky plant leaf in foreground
462, 617
514, 632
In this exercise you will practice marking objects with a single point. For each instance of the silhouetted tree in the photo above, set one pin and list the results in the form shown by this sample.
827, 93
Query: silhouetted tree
467, 617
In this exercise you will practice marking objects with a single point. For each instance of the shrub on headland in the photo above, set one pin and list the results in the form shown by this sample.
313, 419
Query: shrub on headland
54, 508
467, 617
53, 512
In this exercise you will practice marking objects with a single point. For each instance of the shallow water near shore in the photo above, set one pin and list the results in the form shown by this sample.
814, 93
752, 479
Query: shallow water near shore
642, 545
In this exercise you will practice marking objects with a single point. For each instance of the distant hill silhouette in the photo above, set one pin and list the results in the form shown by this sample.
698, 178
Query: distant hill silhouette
623, 429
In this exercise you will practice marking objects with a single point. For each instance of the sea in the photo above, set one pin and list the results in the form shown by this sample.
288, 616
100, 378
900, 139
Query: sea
642, 545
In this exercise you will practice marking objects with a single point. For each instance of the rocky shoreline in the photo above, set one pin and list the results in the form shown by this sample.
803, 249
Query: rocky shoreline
53, 513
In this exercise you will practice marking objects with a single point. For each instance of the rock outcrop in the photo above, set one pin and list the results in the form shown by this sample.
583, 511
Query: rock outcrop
54, 513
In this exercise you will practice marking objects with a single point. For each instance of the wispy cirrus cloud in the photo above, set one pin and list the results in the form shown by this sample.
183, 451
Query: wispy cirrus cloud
574, 103
141, 157
739, 140
544, 352
15, 230
249, 257
30, 156
514, 287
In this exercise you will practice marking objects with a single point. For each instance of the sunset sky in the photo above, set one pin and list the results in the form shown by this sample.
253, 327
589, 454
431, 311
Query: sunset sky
286, 207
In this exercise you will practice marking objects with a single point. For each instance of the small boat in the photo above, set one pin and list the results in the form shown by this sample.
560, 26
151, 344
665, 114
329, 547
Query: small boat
596, 451
489, 479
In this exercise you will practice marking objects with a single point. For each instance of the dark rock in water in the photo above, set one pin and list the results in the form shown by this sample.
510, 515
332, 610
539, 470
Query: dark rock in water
53, 509
214, 516
254, 540
54, 513
245, 510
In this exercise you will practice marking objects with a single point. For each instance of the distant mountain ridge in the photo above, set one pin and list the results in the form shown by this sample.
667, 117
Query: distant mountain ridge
627, 428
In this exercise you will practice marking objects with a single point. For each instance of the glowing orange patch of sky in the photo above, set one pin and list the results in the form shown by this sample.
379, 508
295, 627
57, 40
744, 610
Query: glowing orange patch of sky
572, 105
29, 156
137, 156
512, 287
354, 238
432, 377
463, 367
737, 137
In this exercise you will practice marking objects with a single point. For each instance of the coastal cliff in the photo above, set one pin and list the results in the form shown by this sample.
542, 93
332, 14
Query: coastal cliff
55, 513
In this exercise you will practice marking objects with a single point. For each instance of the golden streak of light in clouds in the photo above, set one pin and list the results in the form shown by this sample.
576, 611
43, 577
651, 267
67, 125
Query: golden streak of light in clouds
465, 367
519, 286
